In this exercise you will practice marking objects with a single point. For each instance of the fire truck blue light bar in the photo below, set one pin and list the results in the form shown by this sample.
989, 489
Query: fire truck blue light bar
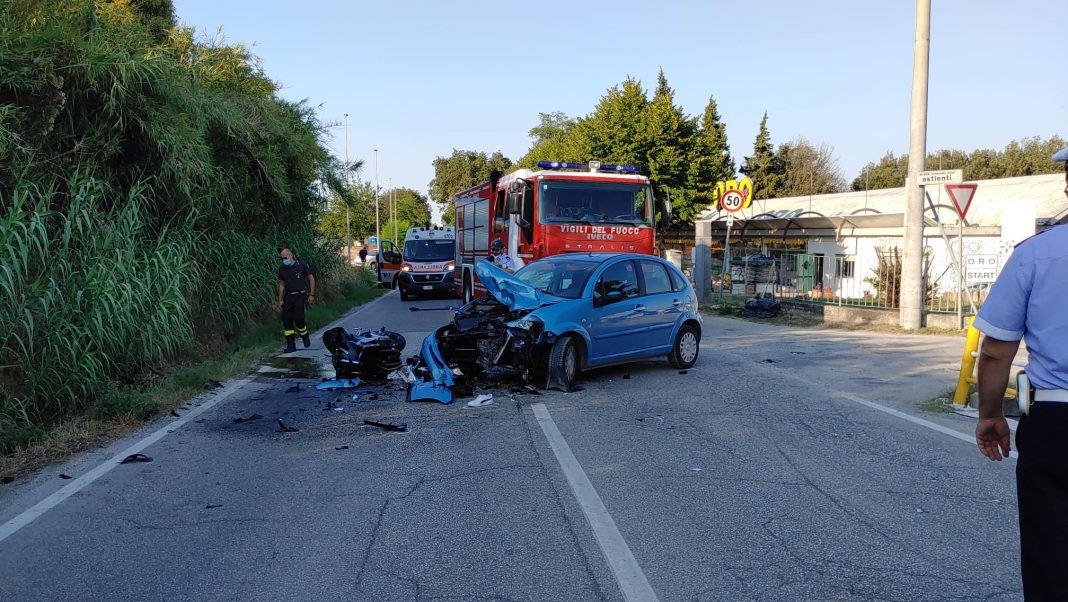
566, 165
560, 165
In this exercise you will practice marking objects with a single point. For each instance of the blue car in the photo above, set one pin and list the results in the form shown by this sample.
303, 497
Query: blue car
562, 314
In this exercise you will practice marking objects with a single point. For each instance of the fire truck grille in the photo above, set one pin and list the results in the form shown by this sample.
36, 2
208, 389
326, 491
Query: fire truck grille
428, 277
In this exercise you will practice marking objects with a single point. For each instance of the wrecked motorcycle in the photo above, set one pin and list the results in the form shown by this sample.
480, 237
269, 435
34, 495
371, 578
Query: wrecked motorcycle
370, 355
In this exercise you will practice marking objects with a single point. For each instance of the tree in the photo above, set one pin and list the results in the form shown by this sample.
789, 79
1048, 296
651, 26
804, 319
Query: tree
551, 126
765, 168
810, 169
459, 171
710, 158
411, 207
615, 131
1026, 157
889, 172
666, 143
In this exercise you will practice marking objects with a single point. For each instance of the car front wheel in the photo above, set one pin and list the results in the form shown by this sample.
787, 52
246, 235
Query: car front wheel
564, 363
686, 348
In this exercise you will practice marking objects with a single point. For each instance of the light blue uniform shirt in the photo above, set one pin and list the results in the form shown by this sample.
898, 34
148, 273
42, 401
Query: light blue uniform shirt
1030, 301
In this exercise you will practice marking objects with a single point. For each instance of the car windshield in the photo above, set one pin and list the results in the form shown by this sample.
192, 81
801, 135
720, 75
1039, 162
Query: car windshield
568, 201
429, 250
564, 279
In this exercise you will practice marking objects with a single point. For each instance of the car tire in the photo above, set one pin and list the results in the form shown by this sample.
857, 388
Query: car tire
686, 348
404, 294
564, 363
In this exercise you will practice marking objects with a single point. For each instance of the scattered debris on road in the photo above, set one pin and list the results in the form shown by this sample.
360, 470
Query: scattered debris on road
286, 429
482, 400
175, 414
684, 371
446, 308
212, 506
338, 383
130, 459
65, 476
388, 426
249, 419
626, 377
341, 447
294, 389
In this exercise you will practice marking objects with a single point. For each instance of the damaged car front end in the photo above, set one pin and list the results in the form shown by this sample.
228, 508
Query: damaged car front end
559, 315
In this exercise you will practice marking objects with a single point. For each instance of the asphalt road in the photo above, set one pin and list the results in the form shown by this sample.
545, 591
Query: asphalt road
761, 474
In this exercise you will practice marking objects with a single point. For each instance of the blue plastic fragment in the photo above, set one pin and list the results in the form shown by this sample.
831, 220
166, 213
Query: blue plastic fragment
338, 383
436, 389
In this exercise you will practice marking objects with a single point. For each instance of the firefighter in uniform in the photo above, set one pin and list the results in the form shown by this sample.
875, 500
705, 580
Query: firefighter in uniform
1025, 303
296, 286
501, 258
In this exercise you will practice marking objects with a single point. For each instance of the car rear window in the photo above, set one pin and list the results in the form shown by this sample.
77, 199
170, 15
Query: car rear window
656, 278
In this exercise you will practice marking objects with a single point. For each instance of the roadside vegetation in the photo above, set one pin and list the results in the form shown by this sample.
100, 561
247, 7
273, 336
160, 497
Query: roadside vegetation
147, 177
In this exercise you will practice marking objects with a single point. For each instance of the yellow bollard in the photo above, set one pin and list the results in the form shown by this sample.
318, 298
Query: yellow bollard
967, 364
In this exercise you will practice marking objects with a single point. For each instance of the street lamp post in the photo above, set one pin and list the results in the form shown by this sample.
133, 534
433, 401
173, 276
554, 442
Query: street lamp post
912, 286
348, 225
378, 219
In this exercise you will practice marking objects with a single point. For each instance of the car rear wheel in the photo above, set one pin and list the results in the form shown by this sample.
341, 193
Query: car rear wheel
686, 348
564, 363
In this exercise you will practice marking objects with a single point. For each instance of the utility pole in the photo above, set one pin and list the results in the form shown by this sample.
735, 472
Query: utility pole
348, 190
393, 204
378, 219
912, 293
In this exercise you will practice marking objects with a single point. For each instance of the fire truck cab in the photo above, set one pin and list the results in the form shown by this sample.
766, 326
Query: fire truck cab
560, 208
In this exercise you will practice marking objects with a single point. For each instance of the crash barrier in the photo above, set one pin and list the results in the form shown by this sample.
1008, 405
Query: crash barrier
967, 377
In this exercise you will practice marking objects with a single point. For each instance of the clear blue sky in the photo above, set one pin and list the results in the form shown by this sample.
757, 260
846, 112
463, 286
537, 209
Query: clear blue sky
420, 78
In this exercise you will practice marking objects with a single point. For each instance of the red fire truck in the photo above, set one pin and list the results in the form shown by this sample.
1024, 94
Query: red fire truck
561, 208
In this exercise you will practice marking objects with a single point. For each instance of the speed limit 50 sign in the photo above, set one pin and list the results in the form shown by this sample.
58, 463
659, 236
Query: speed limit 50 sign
734, 195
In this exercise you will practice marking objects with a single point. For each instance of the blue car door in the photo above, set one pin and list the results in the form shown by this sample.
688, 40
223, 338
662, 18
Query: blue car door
615, 328
661, 307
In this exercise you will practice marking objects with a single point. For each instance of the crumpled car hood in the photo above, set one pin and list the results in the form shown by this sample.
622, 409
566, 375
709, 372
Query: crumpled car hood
511, 291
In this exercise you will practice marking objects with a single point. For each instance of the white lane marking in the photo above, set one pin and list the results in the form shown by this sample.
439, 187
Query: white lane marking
624, 567
28, 516
913, 419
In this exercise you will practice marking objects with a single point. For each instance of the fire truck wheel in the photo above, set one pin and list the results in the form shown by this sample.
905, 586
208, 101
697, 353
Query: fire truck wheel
468, 294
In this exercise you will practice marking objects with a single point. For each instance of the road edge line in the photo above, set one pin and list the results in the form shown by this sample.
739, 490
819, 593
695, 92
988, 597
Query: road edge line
37, 510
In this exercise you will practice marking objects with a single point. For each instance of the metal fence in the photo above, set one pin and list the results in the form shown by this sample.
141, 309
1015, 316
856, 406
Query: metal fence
871, 280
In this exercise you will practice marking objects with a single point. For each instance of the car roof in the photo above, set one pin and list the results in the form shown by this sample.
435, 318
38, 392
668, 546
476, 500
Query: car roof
595, 257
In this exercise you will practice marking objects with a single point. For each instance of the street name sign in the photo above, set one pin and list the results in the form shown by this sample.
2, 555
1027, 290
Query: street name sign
941, 176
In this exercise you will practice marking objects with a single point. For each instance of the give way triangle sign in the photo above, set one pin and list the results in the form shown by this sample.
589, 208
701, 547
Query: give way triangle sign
961, 195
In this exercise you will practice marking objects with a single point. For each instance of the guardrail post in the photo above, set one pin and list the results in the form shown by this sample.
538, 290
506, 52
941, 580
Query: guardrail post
967, 364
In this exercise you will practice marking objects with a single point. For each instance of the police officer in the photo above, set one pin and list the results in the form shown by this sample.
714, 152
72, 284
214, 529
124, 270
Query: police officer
501, 258
1026, 303
296, 286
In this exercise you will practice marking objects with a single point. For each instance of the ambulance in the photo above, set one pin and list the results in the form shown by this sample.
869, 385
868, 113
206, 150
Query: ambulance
427, 262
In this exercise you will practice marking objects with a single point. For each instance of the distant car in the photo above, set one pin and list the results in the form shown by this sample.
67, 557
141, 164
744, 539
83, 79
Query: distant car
565, 313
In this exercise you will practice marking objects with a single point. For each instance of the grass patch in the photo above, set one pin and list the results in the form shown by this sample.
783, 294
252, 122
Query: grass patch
943, 404
123, 408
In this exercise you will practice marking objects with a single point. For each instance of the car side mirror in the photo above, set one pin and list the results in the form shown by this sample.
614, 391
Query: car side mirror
608, 299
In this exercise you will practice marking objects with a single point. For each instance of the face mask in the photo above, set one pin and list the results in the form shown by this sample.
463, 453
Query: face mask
287, 262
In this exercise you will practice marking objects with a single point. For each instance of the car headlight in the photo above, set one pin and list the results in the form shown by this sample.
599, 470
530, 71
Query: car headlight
449, 267
528, 323
406, 267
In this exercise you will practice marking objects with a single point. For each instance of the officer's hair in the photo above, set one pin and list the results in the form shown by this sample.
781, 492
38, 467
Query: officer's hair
284, 248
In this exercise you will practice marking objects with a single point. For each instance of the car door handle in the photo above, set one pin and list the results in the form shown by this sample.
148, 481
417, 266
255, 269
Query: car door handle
676, 302
639, 308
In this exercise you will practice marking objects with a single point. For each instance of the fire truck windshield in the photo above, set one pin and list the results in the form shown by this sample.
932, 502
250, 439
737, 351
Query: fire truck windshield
429, 250
570, 201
